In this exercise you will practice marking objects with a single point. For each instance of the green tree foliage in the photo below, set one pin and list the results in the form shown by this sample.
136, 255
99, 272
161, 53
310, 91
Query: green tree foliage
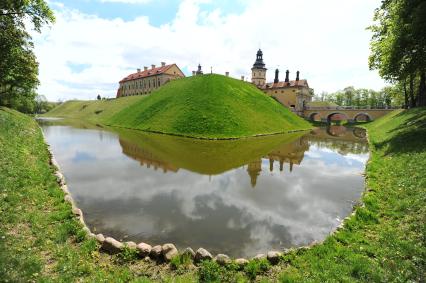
18, 65
398, 47
390, 96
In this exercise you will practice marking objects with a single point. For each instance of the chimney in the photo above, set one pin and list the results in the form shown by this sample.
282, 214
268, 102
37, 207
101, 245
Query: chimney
242, 78
153, 66
227, 74
139, 70
287, 73
193, 73
276, 80
145, 68
297, 75
163, 64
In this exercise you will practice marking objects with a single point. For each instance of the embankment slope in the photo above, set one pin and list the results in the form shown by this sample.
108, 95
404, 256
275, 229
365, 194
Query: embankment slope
209, 106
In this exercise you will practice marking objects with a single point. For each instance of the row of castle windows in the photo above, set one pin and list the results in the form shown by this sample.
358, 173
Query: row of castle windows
142, 84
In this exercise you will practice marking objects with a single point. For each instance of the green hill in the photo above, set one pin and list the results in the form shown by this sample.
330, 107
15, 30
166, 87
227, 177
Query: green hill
209, 106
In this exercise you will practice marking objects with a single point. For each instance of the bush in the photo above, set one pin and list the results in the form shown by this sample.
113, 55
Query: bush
128, 255
180, 262
256, 267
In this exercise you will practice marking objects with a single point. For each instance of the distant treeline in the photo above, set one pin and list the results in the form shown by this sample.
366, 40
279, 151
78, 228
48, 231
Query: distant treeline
390, 96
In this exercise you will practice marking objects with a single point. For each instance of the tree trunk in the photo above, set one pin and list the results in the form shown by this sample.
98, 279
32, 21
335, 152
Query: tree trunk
421, 97
405, 95
412, 99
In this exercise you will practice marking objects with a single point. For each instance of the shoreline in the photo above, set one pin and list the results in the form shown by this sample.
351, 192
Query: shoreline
175, 134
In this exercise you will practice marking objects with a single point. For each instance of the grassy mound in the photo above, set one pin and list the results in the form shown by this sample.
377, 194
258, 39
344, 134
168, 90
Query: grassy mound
209, 106
92, 110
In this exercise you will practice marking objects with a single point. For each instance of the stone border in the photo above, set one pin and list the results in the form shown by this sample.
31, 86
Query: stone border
165, 253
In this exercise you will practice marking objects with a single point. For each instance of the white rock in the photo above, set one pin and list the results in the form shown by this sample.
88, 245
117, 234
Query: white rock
274, 257
100, 238
77, 211
202, 254
156, 252
144, 249
169, 251
190, 252
259, 256
130, 245
87, 230
68, 198
112, 246
241, 262
222, 259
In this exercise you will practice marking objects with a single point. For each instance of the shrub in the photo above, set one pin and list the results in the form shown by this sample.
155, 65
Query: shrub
180, 262
128, 254
210, 271
256, 267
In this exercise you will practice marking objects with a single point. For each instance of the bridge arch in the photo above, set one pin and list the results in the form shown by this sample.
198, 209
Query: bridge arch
361, 117
336, 131
337, 116
359, 133
315, 116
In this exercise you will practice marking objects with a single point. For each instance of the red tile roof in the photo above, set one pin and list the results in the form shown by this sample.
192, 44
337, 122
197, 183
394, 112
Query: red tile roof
301, 83
147, 73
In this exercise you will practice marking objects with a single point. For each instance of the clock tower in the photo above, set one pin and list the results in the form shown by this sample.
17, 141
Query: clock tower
258, 72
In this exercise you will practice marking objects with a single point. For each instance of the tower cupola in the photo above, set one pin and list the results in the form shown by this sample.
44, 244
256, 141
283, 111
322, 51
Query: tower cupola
258, 72
259, 60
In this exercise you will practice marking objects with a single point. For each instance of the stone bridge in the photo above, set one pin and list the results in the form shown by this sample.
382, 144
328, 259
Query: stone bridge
350, 114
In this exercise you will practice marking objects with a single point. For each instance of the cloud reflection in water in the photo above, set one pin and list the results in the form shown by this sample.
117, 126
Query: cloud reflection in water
241, 210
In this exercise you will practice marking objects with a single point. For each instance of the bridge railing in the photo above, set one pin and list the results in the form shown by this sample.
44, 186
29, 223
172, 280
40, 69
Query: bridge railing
350, 108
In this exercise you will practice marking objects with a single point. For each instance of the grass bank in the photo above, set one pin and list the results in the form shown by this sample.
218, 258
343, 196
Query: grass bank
40, 240
208, 106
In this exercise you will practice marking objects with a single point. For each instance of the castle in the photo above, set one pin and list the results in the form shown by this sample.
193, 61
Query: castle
148, 80
294, 94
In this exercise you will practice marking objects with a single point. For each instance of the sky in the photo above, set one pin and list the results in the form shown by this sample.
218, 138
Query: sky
95, 43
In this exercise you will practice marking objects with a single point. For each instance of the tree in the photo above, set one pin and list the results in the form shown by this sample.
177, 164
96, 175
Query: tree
18, 65
349, 93
98, 97
398, 46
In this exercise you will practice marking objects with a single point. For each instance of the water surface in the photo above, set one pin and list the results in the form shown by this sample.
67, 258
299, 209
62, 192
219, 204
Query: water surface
239, 197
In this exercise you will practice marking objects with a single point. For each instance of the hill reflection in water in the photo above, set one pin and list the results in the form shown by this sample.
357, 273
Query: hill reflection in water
238, 197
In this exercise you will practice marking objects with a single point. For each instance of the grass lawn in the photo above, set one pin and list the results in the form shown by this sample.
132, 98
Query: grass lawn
41, 240
208, 106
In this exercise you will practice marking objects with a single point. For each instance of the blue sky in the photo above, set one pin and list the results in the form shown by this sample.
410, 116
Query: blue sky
159, 11
95, 43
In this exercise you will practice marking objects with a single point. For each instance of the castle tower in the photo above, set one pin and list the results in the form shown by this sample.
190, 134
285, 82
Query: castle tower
258, 72
199, 71
254, 168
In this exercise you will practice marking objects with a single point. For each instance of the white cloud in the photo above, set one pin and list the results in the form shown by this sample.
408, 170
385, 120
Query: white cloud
119, 195
325, 40
127, 1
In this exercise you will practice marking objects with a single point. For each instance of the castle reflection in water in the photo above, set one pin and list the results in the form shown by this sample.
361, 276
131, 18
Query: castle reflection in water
148, 154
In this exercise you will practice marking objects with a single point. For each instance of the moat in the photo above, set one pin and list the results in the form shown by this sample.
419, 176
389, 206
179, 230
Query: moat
238, 197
